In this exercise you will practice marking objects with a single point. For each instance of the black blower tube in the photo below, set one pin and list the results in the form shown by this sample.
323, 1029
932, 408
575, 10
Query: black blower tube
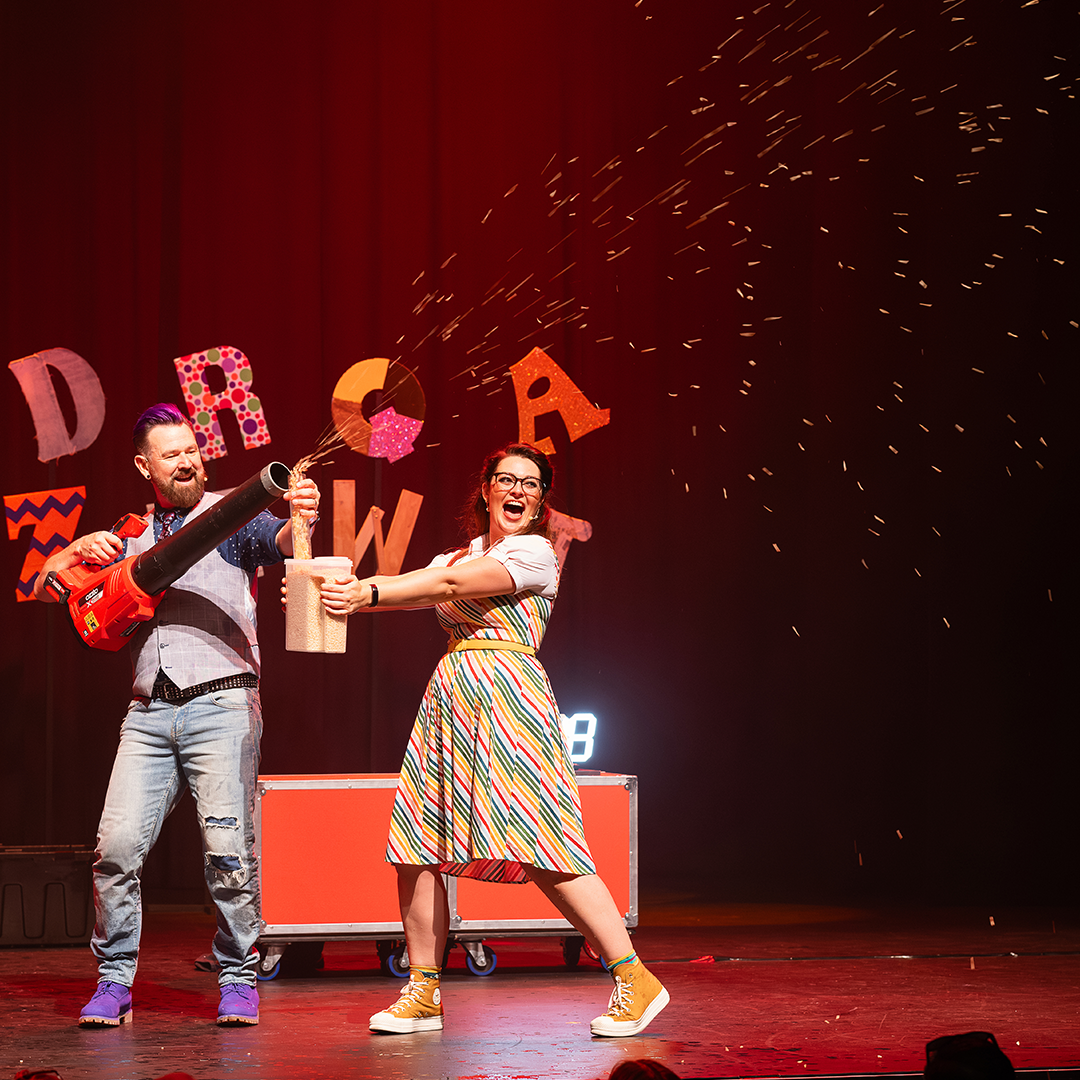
171, 558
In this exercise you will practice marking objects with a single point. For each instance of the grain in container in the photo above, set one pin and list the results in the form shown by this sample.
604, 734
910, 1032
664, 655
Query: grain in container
309, 627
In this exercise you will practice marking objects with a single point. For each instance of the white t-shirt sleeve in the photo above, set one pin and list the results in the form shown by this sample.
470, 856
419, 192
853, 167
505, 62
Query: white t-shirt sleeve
531, 563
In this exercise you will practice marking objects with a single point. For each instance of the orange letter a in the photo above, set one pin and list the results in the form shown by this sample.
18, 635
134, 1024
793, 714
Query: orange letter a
562, 396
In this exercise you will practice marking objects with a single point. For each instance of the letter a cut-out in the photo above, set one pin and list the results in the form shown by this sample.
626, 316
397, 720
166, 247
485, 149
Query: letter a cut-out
578, 414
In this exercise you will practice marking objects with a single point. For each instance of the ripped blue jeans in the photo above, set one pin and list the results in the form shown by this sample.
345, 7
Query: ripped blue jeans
209, 744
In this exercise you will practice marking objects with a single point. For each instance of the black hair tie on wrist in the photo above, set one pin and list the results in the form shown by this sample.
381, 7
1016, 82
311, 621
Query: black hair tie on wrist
374, 595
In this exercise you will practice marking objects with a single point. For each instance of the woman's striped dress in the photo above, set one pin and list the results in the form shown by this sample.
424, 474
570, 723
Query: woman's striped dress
487, 783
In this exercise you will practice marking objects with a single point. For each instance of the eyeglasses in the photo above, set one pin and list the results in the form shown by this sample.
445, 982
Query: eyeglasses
505, 481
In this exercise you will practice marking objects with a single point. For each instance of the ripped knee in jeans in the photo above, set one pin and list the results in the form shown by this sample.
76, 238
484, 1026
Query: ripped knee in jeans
222, 849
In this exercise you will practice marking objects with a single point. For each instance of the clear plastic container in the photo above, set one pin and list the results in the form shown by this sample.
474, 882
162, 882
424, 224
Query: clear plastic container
309, 627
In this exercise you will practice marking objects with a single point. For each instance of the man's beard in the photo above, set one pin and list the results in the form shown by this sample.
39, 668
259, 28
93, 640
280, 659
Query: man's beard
184, 496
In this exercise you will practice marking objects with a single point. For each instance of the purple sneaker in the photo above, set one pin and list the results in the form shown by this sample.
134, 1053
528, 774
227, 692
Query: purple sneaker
109, 1007
239, 1004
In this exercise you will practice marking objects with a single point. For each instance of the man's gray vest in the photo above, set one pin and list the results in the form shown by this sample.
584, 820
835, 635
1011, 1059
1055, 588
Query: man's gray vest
204, 627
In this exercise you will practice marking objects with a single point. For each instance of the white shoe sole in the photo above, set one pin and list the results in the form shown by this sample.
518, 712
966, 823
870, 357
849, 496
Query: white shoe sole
604, 1025
398, 1025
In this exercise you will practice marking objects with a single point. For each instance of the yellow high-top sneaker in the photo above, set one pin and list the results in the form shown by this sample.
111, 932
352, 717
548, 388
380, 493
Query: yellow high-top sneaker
419, 1008
636, 1000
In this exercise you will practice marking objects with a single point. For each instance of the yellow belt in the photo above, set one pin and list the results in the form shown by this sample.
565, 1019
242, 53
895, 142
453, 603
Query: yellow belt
489, 643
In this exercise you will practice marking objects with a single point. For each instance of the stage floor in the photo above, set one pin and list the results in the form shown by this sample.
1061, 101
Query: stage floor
757, 991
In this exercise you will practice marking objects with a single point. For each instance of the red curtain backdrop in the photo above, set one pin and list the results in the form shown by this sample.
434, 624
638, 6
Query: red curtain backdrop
820, 264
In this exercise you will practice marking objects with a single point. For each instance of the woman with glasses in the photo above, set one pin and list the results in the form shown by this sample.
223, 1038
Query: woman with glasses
487, 788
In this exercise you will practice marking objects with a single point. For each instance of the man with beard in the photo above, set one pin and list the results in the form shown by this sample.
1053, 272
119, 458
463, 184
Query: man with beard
195, 719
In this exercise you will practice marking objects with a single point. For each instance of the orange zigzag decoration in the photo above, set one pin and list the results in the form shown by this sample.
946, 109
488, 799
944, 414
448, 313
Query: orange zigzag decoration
55, 515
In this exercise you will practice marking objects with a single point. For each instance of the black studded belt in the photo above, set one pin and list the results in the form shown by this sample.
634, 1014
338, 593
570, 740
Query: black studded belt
169, 691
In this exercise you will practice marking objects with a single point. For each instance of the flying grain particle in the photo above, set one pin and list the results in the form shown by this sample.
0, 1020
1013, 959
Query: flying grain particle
935, 468
776, 548
899, 834
946, 622
797, 634
724, 490
863, 561
1050, 596
978, 371
894, 450
916, 569
925, 428
959, 428
808, 422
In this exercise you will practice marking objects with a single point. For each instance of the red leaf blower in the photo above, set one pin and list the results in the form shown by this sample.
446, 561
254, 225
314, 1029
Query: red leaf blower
106, 604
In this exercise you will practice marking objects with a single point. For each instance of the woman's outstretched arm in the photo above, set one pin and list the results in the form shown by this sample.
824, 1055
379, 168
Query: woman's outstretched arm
419, 588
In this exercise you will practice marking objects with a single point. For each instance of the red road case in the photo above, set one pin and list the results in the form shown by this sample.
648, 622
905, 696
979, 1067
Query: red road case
345, 818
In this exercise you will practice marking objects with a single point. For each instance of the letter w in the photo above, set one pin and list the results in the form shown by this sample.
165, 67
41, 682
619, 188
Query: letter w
389, 554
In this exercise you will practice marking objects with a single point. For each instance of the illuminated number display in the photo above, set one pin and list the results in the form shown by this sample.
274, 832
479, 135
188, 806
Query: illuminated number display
579, 731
